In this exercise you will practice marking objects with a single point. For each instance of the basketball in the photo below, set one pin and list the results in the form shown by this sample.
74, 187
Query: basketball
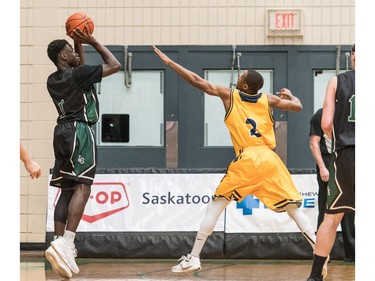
79, 20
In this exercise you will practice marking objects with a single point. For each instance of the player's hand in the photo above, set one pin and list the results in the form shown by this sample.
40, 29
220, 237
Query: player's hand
34, 169
324, 174
162, 56
285, 94
82, 37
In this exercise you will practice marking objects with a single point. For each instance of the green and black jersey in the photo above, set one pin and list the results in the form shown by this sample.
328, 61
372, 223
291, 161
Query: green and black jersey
73, 93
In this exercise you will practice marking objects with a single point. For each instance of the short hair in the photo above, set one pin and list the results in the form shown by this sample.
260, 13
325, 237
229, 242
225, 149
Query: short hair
353, 48
54, 48
254, 80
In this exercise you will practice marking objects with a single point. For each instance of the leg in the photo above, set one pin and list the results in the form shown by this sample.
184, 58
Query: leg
59, 266
214, 210
302, 222
192, 262
61, 211
77, 206
64, 246
348, 235
324, 242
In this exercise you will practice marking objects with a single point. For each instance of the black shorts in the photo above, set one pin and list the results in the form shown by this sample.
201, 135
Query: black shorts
341, 184
75, 155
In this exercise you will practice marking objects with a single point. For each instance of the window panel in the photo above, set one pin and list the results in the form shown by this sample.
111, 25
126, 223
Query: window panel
131, 116
321, 79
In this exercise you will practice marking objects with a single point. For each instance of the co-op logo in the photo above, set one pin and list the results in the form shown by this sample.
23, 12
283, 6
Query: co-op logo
106, 198
250, 202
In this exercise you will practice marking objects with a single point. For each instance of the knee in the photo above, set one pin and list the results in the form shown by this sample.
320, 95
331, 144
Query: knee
83, 190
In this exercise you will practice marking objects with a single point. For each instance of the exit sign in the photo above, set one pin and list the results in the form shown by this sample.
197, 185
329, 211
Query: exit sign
284, 22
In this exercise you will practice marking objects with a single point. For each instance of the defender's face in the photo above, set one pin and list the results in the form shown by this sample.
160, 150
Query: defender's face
241, 81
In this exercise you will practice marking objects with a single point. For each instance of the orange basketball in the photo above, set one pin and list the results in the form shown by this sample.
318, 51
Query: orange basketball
79, 20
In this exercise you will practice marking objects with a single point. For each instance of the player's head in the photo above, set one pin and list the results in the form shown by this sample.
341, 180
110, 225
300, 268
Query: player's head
62, 47
251, 81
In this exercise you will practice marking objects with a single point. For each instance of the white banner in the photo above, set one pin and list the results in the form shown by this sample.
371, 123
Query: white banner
177, 202
145, 202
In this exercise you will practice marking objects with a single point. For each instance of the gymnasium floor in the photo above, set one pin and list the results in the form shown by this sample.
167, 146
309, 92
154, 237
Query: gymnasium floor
34, 267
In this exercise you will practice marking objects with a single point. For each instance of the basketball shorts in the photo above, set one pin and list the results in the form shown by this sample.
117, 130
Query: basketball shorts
260, 172
75, 155
341, 184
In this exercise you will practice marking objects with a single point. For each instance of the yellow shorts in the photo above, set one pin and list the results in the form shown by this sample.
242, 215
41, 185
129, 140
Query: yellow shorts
259, 171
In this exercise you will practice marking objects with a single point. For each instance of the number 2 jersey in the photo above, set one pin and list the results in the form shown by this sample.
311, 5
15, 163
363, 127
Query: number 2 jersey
250, 121
257, 170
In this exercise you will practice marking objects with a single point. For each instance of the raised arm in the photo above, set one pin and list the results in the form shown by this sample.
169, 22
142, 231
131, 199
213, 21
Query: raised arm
195, 80
78, 48
286, 101
111, 64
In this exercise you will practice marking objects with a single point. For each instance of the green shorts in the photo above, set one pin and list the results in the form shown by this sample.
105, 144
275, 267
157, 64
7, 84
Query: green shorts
75, 155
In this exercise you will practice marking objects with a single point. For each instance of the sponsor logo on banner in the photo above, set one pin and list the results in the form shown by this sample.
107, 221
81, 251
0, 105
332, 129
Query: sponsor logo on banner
172, 199
250, 202
106, 199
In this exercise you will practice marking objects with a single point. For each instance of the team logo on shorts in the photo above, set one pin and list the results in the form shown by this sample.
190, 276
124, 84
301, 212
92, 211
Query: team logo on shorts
81, 160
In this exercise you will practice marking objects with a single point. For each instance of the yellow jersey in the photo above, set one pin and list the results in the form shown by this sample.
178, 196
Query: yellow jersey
250, 121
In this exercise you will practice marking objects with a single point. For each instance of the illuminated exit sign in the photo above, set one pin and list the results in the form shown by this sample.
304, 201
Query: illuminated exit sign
284, 22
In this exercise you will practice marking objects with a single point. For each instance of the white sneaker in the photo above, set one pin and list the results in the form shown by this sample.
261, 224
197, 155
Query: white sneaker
325, 268
187, 264
67, 253
58, 266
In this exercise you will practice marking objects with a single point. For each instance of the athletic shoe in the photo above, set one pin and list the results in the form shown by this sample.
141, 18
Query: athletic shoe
67, 253
58, 266
315, 279
325, 268
187, 264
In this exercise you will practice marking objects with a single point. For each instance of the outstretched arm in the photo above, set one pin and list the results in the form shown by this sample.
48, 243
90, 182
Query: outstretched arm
286, 101
195, 80
111, 64
31, 166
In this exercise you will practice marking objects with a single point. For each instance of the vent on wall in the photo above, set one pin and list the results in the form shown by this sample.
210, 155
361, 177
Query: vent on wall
284, 22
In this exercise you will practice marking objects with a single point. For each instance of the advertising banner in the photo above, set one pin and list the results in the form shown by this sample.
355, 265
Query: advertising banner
144, 202
177, 203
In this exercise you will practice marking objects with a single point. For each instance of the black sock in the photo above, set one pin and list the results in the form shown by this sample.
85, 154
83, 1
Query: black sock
317, 266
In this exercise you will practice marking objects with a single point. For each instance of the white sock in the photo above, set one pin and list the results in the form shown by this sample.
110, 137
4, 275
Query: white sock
303, 223
213, 211
198, 244
69, 236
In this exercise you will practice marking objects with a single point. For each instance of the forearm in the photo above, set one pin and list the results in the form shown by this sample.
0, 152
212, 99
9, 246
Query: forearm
186, 74
24, 156
78, 48
106, 55
317, 156
297, 105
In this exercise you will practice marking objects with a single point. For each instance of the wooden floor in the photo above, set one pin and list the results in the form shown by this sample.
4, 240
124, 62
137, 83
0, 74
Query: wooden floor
34, 267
